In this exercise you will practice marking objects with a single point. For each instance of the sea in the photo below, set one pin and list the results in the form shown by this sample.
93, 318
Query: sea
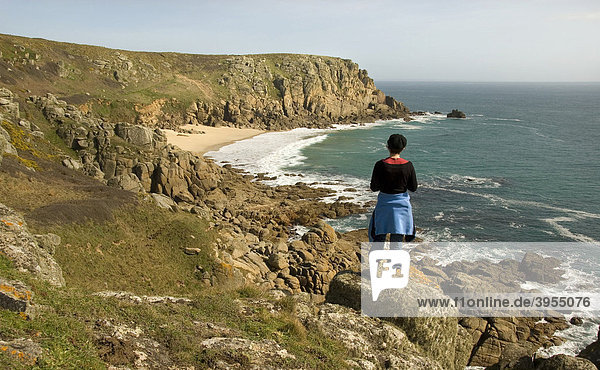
524, 166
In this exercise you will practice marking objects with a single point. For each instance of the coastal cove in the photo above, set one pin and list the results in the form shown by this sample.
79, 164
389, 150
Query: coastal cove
517, 169
167, 210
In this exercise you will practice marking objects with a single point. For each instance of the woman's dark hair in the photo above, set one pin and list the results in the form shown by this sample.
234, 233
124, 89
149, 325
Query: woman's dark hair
396, 143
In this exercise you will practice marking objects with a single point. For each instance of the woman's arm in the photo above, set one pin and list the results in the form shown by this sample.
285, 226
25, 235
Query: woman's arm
375, 177
411, 184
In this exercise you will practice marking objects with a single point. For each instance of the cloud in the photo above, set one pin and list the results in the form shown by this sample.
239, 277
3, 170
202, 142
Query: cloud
590, 16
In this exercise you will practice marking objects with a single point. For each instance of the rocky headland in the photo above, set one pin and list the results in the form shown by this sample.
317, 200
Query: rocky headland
167, 90
120, 250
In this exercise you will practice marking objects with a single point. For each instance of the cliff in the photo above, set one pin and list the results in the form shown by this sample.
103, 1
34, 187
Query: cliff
269, 91
172, 261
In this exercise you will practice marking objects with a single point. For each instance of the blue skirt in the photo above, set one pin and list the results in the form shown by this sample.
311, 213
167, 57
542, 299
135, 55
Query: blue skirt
392, 215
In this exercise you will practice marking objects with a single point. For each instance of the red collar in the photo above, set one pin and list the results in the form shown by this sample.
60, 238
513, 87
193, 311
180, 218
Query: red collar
390, 160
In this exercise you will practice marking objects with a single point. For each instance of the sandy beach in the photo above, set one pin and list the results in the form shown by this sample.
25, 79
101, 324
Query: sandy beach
212, 139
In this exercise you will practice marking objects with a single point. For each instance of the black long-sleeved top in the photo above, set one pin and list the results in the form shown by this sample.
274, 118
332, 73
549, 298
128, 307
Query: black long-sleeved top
393, 176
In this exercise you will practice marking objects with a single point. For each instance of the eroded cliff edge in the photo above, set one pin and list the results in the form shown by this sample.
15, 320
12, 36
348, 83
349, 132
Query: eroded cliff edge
166, 90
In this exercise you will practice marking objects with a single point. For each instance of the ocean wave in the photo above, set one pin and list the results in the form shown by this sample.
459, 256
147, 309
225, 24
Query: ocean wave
465, 180
506, 119
577, 338
494, 198
428, 117
274, 153
564, 231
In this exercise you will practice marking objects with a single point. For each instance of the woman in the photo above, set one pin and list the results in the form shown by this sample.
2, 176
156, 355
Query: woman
392, 177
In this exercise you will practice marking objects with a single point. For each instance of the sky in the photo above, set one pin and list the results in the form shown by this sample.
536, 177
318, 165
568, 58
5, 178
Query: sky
395, 40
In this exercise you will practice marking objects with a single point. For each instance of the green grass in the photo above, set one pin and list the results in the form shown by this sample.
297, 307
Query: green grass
65, 328
142, 251
115, 110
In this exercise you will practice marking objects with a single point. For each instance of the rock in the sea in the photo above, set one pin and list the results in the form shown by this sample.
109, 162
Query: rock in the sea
576, 320
456, 114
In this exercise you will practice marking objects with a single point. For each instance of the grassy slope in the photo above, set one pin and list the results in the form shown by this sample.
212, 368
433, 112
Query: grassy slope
134, 246
178, 78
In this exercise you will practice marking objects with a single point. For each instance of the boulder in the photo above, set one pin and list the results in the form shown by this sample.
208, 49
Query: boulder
164, 201
344, 289
128, 182
134, 134
23, 249
15, 296
592, 351
72, 164
5, 144
541, 269
277, 261
564, 362
230, 353
456, 114
24, 350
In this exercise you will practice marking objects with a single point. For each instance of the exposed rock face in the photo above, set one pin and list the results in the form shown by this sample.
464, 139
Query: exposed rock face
564, 362
25, 350
254, 354
25, 251
7, 105
442, 339
456, 114
592, 351
15, 296
470, 340
270, 91
296, 91
121, 345
10, 109
540, 269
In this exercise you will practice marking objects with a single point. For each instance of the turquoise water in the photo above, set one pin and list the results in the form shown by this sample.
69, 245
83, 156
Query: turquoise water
523, 166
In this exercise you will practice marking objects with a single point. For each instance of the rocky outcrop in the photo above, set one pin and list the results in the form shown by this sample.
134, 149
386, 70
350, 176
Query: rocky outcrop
7, 104
10, 109
563, 362
15, 296
269, 91
24, 350
470, 340
592, 351
456, 114
123, 345
25, 251
440, 338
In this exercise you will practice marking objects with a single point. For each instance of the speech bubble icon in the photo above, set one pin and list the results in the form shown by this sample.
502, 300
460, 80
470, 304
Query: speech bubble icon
388, 269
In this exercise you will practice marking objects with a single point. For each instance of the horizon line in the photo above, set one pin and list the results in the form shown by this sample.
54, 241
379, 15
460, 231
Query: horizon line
485, 81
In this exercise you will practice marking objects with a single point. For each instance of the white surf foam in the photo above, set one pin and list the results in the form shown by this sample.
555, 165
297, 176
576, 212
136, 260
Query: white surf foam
495, 198
428, 117
273, 153
563, 231
506, 119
